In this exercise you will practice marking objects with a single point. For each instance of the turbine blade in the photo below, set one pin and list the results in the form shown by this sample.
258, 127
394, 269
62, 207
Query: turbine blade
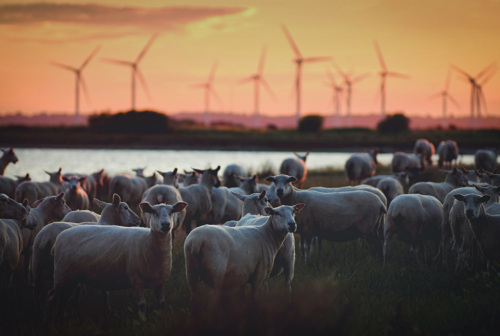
84, 88
89, 58
261, 62
396, 74
64, 66
216, 96
380, 57
143, 83
246, 80
436, 95
461, 71
199, 86
330, 76
115, 61
212, 73
485, 70
359, 78
454, 101
292, 43
342, 73
268, 88
448, 78
316, 59
482, 99
145, 49
488, 77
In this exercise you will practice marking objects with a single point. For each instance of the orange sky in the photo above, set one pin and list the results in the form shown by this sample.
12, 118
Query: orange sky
418, 38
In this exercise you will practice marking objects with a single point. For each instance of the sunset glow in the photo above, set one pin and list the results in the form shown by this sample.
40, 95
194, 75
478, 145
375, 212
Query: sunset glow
418, 38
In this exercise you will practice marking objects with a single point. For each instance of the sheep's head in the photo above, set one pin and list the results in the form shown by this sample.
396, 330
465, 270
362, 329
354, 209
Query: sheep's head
117, 212
254, 203
161, 219
210, 176
11, 209
283, 185
283, 217
10, 155
473, 204
75, 182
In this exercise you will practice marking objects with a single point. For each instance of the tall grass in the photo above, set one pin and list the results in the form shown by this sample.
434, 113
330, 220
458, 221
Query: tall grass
345, 291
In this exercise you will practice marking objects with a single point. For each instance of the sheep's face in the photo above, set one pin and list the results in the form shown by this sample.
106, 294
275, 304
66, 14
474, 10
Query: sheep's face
125, 215
74, 183
251, 182
283, 186
456, 177
489, 190
472, 204
283, 217
257, 203
210, 176
10, 155
57, 205
161, 219
11, 209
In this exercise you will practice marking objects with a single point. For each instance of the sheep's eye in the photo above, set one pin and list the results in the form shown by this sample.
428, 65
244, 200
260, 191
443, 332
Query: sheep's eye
126, 208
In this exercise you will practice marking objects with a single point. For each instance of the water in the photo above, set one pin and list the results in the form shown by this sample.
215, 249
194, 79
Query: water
86, 161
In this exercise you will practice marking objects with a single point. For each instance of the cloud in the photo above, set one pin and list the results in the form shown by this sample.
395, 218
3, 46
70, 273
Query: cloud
170, 18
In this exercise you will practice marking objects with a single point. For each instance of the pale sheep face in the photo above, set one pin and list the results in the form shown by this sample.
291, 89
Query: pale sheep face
161, 219
472, 204
283, 217
9, 208
283, 185
126, 215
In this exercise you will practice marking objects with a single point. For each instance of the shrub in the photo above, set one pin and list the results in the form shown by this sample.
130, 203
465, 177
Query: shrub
310, 123
130, 122
396, 123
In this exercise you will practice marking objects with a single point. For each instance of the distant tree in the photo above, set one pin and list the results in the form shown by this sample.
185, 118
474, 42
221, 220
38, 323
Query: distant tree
310, 123
271, 127
130, 122
396, 123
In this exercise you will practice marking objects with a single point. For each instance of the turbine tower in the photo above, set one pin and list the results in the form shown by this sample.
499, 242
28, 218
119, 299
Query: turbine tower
79, 82
446, 95
208, 86
337, 92
299, 61
477, 97
136, 72
383, 75
258, 79
349, 82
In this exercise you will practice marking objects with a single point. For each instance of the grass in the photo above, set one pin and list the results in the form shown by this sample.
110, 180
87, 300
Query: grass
345, 291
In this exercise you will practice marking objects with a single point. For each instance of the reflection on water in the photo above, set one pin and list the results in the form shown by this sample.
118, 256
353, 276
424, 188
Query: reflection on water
86, 161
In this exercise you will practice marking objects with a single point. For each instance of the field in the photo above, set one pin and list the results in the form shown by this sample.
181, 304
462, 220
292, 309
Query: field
345, 291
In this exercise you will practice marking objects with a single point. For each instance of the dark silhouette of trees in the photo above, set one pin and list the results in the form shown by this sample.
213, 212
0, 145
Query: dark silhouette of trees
131, 122
310, 123
396, 123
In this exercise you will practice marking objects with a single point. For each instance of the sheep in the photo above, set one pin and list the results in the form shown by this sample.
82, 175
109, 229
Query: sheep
12, 214
485, 159
190, 178
114, 257
74, 194
340, 216
167, 194
448, 152
130, 188
412, 163
425, 148
229, 258
80, 216
490, 178
472, 175
170, 178
254, 204
391, 188
8, 156
8, 186
295, 166
115, 213
231, 174
485, 227
34, 191
414, 218
247, 186
199, 197
402, 177
453, 179
360, 166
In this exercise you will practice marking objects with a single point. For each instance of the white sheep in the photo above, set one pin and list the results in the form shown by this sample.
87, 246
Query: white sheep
231, 174
229, 258
425, 148
74, 194
8, 186
402, 177
115, 213
199, 197
412, 163
113, 257
12, 214
485, 159
130, 188
295, 166
391, 188
415, 219
448, 152
33, 191
190, 178
170, 178
340, 216
8, 156
485, 227
361, 165
248, 185
80, 216
453, 179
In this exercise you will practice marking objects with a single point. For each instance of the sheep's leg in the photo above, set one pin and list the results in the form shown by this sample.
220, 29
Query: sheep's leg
141, 303
159, 295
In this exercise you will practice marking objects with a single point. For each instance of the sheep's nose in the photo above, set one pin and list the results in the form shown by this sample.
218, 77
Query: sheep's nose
165, 226
469, 213
279, 192
292, 226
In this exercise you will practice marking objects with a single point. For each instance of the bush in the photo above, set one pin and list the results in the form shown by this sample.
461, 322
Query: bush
397, 123
310, 123
130, 122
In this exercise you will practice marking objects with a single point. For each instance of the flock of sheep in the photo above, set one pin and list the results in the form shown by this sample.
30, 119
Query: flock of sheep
251, 233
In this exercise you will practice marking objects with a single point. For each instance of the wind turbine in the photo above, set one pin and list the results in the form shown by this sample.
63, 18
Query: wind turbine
136, 72
79, 82
445, 94
299, 61
481, 99
337, 92
258, 79
476, 91
208, 86
383, 74
349, 82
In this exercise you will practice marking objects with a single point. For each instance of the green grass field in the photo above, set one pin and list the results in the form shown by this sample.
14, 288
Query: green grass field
345, 291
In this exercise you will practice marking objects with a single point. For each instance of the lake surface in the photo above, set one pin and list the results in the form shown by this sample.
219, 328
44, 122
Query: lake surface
86, 161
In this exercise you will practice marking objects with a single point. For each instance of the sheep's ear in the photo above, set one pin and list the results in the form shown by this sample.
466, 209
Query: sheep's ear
116, 199
477, 187
270, 211
484, 198
26, 202
459, 197
146, 207
255, 177
60, 196
60, 170
239, 196
262, 194
292, 179
298, 207
199, 171
175, 171
217, 169
82, 179
65, 179
270, 179
99, 203
160, 172
179, 206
